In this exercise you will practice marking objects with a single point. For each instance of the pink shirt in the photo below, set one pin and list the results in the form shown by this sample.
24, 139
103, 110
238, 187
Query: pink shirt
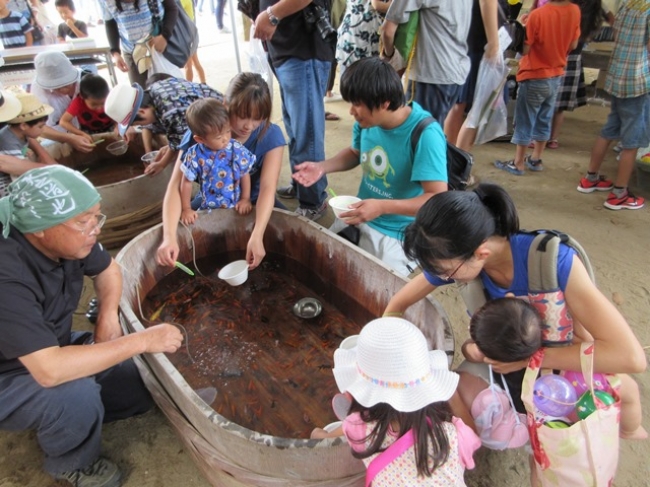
402, 472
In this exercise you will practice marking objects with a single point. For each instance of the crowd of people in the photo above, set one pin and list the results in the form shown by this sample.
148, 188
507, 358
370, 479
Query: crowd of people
68, 384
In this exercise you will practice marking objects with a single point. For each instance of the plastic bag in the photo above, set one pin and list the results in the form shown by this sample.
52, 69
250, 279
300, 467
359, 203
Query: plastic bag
160, 64
489, 114
258, 60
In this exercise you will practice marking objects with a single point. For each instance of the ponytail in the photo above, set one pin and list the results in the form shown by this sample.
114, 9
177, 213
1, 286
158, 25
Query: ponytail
453, 224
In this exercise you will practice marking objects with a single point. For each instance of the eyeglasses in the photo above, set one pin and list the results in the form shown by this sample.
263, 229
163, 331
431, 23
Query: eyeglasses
449, 277
90, 226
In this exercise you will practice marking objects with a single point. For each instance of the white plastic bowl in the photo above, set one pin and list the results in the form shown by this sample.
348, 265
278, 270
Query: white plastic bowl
341, 204
117, 148
235, 273
350, 342
332, 426
149, 157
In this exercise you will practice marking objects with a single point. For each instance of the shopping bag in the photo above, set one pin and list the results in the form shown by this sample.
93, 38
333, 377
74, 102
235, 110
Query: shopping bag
489, 113
258, 60
184, 40
160, 64
584, 454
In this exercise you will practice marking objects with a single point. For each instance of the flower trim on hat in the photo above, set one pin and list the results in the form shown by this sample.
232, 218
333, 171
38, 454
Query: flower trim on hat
395, 384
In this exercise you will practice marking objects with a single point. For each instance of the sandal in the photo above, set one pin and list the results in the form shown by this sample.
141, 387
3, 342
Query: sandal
552, 144
331, 117
509, 166
533, 164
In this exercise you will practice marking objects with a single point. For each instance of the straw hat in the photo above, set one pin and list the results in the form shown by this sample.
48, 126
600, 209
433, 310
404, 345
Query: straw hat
9, 106
54, 70
31, 108
122, 104
392, 364
142, 57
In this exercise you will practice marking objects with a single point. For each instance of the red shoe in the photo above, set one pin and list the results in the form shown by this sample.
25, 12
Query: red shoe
601, 184
626, 202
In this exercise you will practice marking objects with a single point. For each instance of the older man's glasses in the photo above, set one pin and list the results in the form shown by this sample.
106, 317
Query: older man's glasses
90, 226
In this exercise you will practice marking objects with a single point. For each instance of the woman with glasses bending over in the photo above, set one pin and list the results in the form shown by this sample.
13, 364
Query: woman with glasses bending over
459, 236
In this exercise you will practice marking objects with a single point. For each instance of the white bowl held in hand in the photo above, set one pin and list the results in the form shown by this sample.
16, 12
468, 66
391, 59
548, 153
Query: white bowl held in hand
341, 204
235, 273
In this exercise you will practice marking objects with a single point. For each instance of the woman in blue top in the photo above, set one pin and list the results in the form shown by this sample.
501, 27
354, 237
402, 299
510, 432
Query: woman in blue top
249, 104
458, 236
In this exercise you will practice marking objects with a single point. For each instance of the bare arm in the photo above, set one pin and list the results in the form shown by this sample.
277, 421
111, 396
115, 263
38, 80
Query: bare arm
42, 155
255, 251
56, 365
418, 288
79, 143
108, 288
29, 39
388, 30
369, 209
79, 33
490, 17
308, 173
171, 214
263, 28
246, 187
617, 350
381, 6
186, 193
66, 123
16, 166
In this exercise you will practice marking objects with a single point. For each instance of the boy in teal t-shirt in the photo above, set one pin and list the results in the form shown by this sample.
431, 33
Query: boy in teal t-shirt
395, 183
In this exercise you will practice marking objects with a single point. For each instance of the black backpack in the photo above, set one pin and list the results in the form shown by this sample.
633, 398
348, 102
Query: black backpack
518, 35
459, 162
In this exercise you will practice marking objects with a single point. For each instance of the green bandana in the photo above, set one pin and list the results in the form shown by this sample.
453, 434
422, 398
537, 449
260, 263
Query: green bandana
45, 197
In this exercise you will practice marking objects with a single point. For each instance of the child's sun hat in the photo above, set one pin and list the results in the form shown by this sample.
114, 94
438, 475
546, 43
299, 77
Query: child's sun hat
31, 108
9, 106
392, 364
122, 105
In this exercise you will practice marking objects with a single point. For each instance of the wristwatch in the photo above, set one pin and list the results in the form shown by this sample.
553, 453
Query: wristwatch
272, 18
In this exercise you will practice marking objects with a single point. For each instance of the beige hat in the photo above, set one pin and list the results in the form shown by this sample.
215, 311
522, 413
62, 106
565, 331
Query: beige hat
31, 108
142, 57
54, 70
9, 106
122, 105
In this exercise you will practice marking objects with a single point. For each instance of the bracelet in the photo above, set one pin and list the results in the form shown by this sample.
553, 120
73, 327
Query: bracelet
387, 56
397, 314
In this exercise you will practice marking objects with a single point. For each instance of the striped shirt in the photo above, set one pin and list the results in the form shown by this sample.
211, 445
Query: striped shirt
13, 29
133, 25
628, 74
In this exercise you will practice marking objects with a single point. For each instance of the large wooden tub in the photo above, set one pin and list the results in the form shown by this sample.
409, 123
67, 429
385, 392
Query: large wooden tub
133, 201
227, 453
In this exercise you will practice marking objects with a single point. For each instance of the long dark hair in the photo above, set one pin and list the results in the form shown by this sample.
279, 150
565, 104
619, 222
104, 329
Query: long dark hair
426, 423
453, 224
591, 17
248, 96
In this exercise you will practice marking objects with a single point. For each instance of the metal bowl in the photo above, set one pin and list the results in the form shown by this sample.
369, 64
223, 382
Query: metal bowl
307, 308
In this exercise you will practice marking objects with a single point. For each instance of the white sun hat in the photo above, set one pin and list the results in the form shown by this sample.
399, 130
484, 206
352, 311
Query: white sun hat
54, 70
393, 364
122, 104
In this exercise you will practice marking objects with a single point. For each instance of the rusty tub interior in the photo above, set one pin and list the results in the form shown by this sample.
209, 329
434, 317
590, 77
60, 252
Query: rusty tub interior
131, 200
253, 377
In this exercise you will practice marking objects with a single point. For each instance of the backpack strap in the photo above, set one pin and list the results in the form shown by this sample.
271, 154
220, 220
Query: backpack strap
542, 259
385, 458
474, 295
417, 132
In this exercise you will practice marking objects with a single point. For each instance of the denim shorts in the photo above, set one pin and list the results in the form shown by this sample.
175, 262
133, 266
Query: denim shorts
629, 121
435, 99
534, 109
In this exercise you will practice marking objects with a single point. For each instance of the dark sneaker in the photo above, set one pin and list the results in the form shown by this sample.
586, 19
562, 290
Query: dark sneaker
286, 192
601, 184
313, 213
626, 202
102, 473
533, 164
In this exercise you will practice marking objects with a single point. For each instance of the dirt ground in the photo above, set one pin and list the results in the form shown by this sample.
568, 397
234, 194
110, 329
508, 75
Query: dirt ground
617, 243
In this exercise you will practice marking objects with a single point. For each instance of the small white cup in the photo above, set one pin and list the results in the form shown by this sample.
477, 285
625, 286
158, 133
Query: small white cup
149, 157
332, 426
341, 204
349, 343
234, 273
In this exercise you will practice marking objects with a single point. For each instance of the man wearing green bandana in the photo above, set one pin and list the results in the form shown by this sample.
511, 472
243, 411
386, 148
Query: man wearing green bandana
61, 383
